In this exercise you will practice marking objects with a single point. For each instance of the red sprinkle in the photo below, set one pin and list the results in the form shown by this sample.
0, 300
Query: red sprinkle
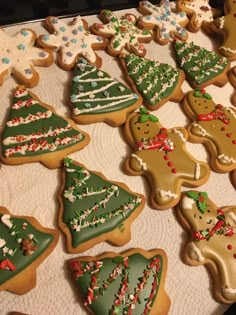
169, 163
174, 170
230, 247
166, 157
229, 135
234, 255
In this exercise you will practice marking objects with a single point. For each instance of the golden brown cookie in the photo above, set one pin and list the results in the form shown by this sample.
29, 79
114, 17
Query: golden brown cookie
94, 209
232, 79
71, 40
212, 239
34, 132
19, 56
214, 125
131, 282
122, 33
197, 12
225, 27
96, 96
24, 245
164, 20
161, 156
156, 82
202, 67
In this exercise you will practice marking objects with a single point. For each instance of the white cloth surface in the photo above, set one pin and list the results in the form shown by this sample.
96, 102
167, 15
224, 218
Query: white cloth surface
32, 189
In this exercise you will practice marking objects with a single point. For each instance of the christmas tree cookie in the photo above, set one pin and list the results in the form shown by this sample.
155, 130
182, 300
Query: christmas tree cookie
122, 33
212, 233
71, 40
201, 66
35, 133
157, 82
128, 283
95, 96
161, 156
164, 20
214, 125
94, 209
24, 244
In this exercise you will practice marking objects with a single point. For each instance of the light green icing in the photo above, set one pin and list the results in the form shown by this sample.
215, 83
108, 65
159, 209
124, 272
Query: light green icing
92, 205
94, 92
12, 237
198, 63
135, 275
45, 135
155, 81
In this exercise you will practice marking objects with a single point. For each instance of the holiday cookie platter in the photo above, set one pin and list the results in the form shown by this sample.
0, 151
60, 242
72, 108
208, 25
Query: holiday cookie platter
33, 189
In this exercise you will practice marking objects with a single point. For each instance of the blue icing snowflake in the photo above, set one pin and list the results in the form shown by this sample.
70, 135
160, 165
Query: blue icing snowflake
42, 54
83, 46
76, 79
21, 46
73, 98
80, 28
28, 71
46, 37
94, 83
73, 40
5, 60
87, 105
74, 31
24, 32
65, 38
69, 54
62, 29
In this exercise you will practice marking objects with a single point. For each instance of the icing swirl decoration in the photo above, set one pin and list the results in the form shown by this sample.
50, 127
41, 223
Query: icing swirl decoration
156, 82
168, 23
122, 33
95, 96
130, 284
71, 40
92, 208
202, 67
19, 56
33, 131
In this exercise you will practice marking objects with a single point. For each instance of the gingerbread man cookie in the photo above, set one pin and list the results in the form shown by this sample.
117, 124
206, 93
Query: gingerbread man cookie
160, 155
213, 125
233, 178
225, 26
131, 282
232, 79
197, 12
18, 56
122, 33
212, 240
162, 18
71, 40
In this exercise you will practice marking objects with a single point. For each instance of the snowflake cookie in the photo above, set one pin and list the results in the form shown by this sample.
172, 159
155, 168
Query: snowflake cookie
163, 18
18, 56
72, 40
122, 33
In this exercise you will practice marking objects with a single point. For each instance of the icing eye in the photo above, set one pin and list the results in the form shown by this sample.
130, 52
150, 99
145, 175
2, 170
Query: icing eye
208, 211
147, 125
200, 217
138, 128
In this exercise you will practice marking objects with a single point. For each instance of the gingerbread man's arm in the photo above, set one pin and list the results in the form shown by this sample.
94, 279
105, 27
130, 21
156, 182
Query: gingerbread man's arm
135, 164
181, 133
230, 215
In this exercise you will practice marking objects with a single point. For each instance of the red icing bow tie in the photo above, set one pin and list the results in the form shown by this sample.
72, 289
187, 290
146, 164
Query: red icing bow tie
217, 113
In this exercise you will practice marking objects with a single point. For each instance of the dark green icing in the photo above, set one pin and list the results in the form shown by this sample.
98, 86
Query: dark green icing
155, 81
41, 126
107, 93
133, 272
118, 208
18, 258
199, 64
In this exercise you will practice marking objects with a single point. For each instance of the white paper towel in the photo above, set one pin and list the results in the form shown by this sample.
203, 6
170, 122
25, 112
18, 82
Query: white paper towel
32, 189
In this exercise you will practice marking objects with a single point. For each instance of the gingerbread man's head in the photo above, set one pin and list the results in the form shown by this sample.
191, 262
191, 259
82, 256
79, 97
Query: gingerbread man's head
197, 209
143, 125
199, 102
230, 6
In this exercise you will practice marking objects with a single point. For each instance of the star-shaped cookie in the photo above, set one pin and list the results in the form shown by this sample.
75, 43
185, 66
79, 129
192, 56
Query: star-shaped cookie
122, 32
163, 18
71, 40
18, 56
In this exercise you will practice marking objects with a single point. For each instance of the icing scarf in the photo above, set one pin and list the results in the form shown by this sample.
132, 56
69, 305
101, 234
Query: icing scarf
217, 113
160, 141
220, 228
